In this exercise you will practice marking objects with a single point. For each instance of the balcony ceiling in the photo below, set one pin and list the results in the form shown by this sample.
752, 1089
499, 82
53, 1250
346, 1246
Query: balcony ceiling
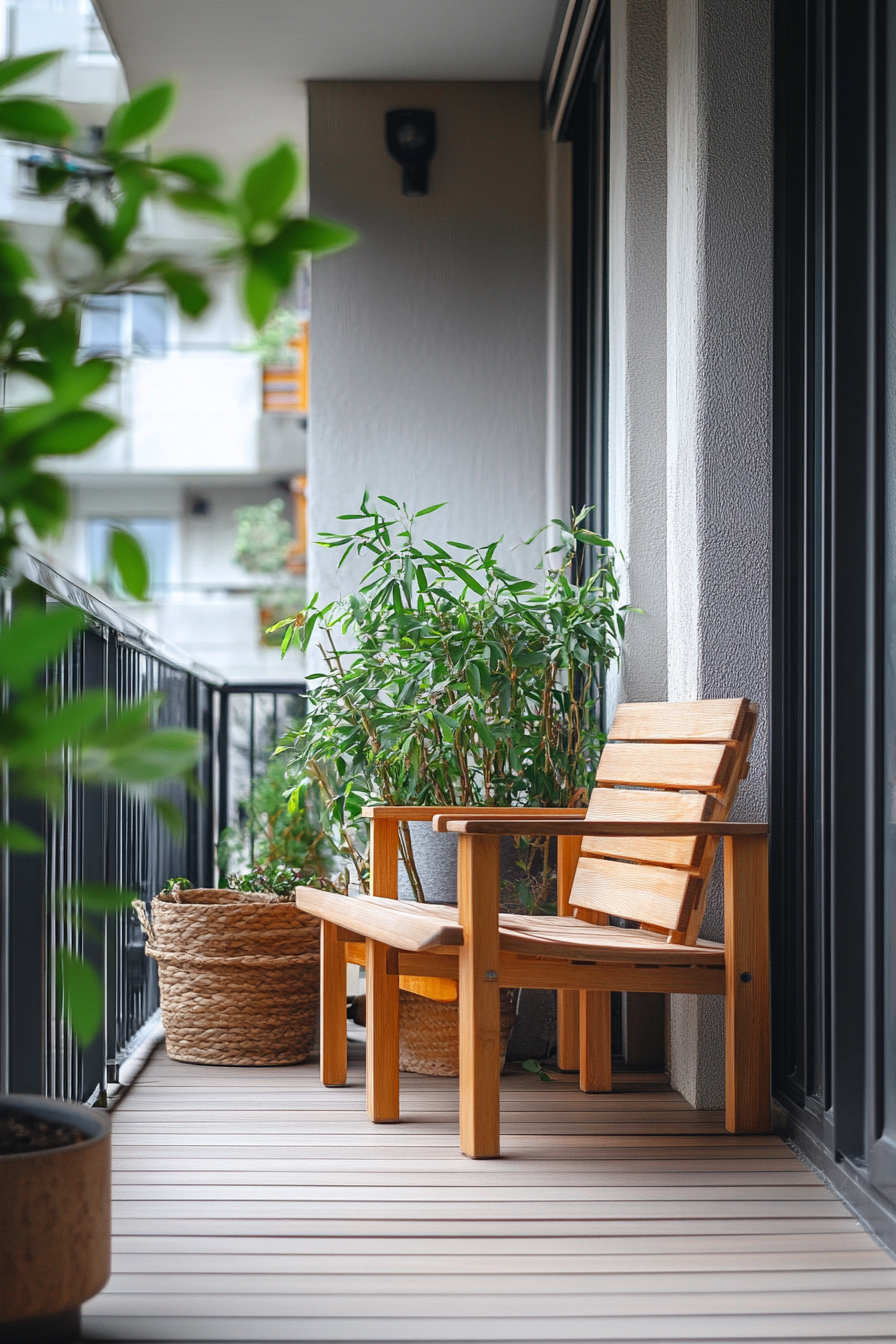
333, 39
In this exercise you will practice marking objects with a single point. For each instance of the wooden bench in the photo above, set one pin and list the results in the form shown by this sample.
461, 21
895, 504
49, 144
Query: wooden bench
643, 852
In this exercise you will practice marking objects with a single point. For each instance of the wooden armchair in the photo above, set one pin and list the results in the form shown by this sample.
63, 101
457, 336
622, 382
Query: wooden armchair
643, 852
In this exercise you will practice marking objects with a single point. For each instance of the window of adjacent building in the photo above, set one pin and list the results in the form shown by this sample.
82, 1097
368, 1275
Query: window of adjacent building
156, 536
125, 324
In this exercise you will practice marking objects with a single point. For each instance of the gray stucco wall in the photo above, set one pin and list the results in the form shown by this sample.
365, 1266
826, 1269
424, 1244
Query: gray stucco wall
719, 327
428, 359
637, 334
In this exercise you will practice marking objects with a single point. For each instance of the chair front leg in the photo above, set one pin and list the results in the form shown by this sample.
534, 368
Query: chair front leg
747, 1008
333, 1004
595, 1048
479, 995
382, 1033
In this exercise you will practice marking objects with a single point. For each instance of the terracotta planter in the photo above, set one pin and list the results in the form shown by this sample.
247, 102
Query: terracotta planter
55, 1225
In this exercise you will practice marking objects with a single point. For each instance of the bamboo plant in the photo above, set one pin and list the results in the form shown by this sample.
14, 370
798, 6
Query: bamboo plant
450, 681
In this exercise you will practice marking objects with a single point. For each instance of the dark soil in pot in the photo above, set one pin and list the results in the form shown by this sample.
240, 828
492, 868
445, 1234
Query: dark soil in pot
24, 1133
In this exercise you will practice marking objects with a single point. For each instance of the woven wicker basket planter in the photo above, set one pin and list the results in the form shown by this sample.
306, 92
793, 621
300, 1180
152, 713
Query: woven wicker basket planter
428, 1034
239, 976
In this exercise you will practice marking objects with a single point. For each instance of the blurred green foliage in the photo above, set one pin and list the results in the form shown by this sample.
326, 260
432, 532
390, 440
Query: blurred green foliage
49, 412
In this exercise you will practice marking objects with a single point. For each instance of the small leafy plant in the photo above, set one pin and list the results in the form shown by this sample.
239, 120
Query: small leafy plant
533, 1066
450, 681
49, 412
283, 832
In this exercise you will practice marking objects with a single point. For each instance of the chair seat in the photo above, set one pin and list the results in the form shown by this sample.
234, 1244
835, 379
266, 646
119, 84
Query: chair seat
575, 939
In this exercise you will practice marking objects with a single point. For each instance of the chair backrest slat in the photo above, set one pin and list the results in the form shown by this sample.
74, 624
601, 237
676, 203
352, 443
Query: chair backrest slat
663, 762
666, 765
649, 805
690, 721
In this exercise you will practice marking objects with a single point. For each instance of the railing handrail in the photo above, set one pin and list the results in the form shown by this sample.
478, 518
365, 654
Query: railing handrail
66, 589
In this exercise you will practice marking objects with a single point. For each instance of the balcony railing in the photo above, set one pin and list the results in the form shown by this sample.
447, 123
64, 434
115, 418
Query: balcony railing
99, 834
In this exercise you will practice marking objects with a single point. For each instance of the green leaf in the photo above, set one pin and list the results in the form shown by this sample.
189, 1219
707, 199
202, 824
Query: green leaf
44, 501
138, 119
188, 288
172, 816
96, 897
31, 119
204, 172
20, 67
74, 432
50, 177
201, 203
81, 994
126, 554
531, 1065
269, 183
315, 236
20, 839
260, 294
32, 639
473, 678
82, 220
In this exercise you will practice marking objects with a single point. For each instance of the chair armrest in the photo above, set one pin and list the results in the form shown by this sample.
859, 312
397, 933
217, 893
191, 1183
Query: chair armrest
400, 924
573, 826
378, 811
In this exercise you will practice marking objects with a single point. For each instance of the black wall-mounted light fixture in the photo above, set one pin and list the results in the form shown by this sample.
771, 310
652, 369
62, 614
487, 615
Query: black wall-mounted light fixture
411, 140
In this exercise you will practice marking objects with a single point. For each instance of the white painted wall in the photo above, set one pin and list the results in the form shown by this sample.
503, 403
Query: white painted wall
428, 359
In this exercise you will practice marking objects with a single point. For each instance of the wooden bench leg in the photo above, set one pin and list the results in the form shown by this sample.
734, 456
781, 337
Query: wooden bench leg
479, 996
595, 1057
569, 847
382, 1034
747, 1013
568, 1030
333, 1033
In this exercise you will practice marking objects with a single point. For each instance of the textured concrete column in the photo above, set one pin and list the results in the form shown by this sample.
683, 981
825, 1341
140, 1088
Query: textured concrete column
636, 298
719, 332
637, 338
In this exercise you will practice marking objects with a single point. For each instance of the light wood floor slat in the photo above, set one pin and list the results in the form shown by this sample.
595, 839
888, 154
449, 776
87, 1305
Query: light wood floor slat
252, 1205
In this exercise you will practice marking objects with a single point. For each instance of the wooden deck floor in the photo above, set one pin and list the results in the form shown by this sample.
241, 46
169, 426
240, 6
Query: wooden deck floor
255, 1205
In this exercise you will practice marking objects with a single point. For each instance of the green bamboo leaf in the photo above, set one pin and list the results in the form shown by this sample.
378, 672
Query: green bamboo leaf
126, 554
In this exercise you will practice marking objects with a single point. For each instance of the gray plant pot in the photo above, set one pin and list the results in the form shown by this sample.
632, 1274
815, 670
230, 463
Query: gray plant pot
435, 854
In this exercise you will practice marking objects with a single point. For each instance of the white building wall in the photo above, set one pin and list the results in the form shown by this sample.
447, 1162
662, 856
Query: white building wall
428, 367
